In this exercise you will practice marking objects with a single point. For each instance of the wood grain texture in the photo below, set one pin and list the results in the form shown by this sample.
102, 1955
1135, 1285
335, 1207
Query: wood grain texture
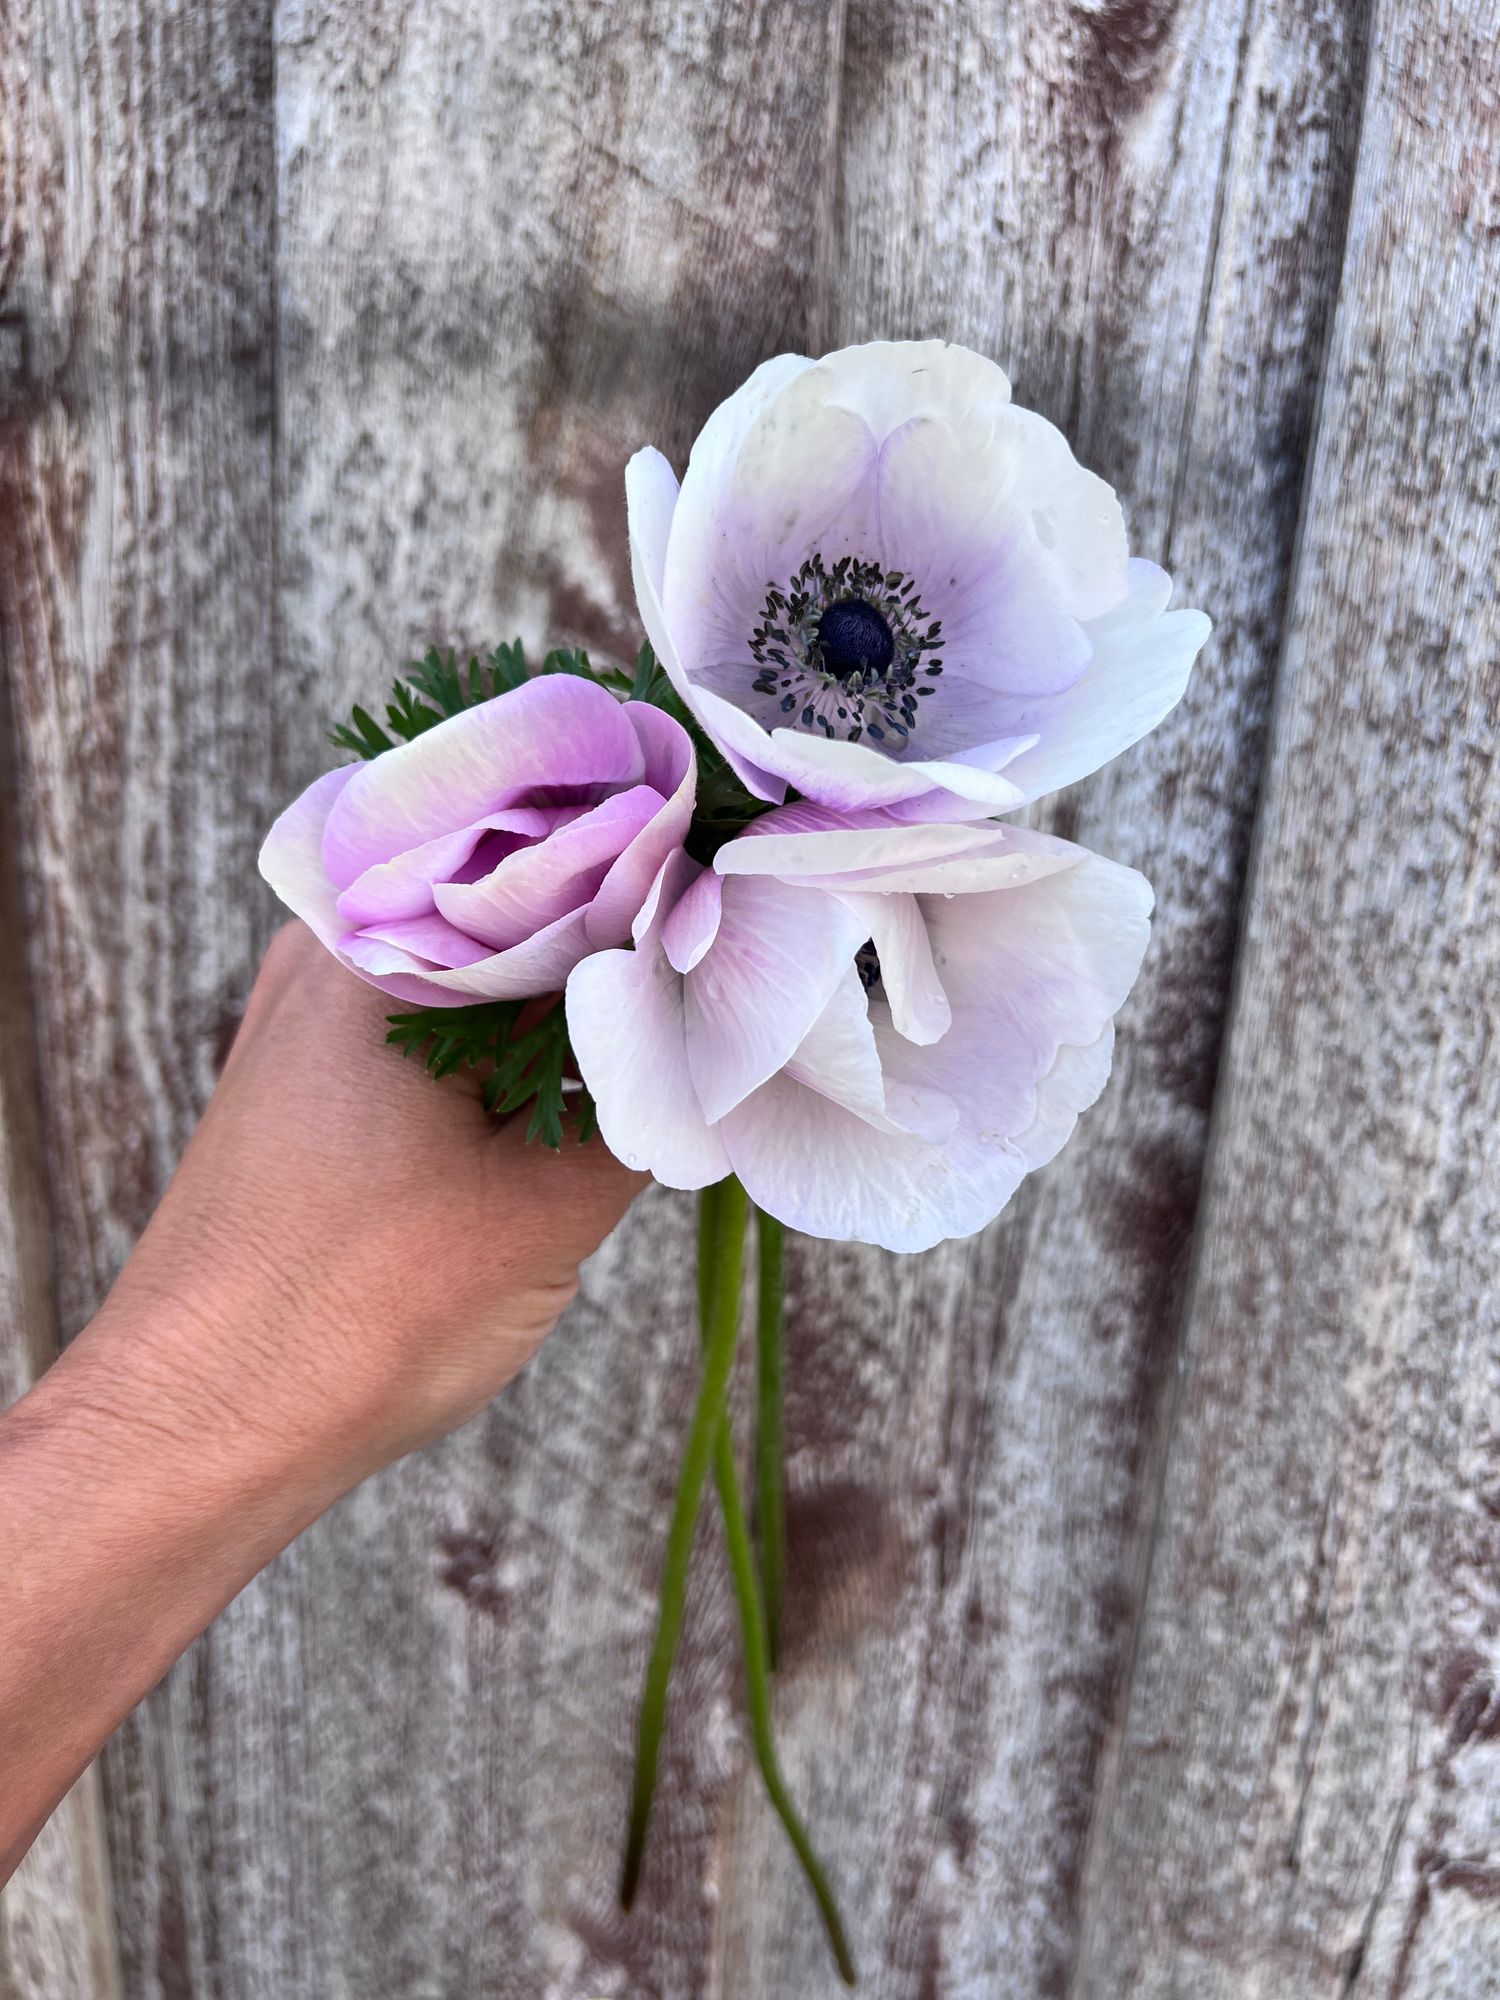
56, 1915
327, 340
1141, 212
513, 244
965, 1576
136, 625
1307, 1799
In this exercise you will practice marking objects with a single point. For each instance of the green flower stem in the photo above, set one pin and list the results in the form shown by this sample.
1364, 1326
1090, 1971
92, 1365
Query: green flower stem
771, 1500
721, 1242
758, 1689
754, 1628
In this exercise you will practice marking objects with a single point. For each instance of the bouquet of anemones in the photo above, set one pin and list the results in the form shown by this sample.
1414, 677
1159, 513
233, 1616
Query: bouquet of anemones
802, 963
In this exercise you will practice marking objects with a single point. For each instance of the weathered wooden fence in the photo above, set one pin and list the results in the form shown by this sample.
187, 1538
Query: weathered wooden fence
1145, 1618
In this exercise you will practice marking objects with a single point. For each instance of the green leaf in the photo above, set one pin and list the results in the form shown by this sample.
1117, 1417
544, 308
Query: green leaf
569, 660
522, 1068
365, 739
648, 675
508, 667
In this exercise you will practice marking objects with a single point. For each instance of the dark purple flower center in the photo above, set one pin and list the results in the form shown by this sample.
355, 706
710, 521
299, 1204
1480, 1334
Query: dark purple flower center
867, 965
848, 650
853, 639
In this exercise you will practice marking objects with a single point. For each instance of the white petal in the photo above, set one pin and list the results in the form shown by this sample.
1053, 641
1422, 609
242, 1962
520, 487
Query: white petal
852, 775
839, 1057
956, 519
711, 588
626, 1026
807, 839
802, 479
1071, 1085
1033, 974
1029, 970
1142, 659
1074, 513
821, 1168
919, 1006
772, 968
717, 445
889, 382
944, 859
651, 494
744, 743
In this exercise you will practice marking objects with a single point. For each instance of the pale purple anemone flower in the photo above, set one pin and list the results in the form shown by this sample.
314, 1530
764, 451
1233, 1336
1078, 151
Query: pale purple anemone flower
484, 859
882, 583
879, 1026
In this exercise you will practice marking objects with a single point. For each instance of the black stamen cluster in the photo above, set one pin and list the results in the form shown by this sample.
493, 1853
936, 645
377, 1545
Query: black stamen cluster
853, 640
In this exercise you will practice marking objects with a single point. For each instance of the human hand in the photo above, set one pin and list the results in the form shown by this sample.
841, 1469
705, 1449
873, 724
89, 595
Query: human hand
368, 1258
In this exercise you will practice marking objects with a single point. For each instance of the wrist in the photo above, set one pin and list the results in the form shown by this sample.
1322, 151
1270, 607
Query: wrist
241, 1369
191, 1386
134, 1509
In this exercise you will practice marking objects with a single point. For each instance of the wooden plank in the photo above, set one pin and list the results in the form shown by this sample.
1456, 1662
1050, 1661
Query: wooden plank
1306, 1801
927, 1440
135, 482
514, 243
1140, 211
512, 248
56, 1921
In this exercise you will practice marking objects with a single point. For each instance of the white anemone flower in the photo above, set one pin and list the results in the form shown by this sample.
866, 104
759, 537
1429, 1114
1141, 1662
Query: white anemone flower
881, 583
881, 1027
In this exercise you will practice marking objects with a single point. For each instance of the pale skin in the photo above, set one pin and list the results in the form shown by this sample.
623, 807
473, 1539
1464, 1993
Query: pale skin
350, 1262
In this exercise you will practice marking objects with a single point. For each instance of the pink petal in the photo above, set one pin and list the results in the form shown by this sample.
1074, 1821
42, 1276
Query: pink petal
291, 858
694, 922
538, 965
547, 735
427, 937
535, 886
671, 770
403, 887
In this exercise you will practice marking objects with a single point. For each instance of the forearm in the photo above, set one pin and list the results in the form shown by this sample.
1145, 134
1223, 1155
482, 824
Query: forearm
350, 1262
134, 1503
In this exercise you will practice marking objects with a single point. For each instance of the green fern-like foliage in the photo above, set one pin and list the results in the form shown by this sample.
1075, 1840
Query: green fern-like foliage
436, 687
520, 1065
